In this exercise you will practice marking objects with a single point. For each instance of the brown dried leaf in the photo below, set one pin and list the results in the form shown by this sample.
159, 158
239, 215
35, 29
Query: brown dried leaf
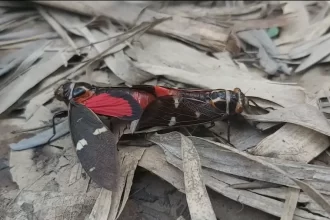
199, 203
219, 182
58, 28
32, 77
308, 189
317, 54
303, 115
196, 33
290, 204
292, 142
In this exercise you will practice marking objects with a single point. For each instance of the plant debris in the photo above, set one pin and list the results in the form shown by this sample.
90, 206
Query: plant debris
277, 160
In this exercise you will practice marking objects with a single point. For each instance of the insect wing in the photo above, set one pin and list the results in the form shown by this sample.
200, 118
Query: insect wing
178, 111
95, 145
115, 104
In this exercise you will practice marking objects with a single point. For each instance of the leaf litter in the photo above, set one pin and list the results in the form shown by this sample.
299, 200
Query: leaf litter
270, 163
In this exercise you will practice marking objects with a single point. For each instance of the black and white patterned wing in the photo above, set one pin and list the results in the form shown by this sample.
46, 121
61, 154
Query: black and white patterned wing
95, 145
178, 111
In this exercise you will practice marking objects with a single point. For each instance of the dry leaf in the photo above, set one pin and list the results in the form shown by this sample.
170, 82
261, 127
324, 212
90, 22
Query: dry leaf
304, 115
130, 157
199, 34
103, 78
162, 51
290, 204
154, 160
102, 206
216, 181
308, 189
231, 163
16, 58
57, 27
305, 48
292, 32
30, 79
14, 16
190, 10
317, 29
267, 49
264, 23
317, 54
242, 134
32, 58
199, 203
292, 142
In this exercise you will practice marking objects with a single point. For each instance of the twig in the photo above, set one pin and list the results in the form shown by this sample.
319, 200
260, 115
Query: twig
143, 29
34, 129
119, 35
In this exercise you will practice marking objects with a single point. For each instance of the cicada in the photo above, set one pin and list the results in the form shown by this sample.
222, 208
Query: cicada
146, 106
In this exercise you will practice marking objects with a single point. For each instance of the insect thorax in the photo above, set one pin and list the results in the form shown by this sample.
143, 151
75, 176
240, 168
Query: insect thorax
225, 100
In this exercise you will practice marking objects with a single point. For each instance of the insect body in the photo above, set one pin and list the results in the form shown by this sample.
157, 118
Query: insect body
147, 105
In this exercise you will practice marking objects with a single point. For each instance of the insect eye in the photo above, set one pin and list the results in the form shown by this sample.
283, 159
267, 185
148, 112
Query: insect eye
234, 96
214, 95
78, 92
218, 95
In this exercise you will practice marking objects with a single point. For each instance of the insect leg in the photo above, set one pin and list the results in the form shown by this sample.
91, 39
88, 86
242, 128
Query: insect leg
222, 139
228, 130
60, 114
211, 125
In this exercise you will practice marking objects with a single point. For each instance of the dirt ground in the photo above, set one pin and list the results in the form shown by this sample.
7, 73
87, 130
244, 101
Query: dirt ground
153, 198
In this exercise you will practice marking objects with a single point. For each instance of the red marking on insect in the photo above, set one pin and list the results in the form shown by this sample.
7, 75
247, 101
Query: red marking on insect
105, 104
143, 98
82, 98
161, 91
239, 106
